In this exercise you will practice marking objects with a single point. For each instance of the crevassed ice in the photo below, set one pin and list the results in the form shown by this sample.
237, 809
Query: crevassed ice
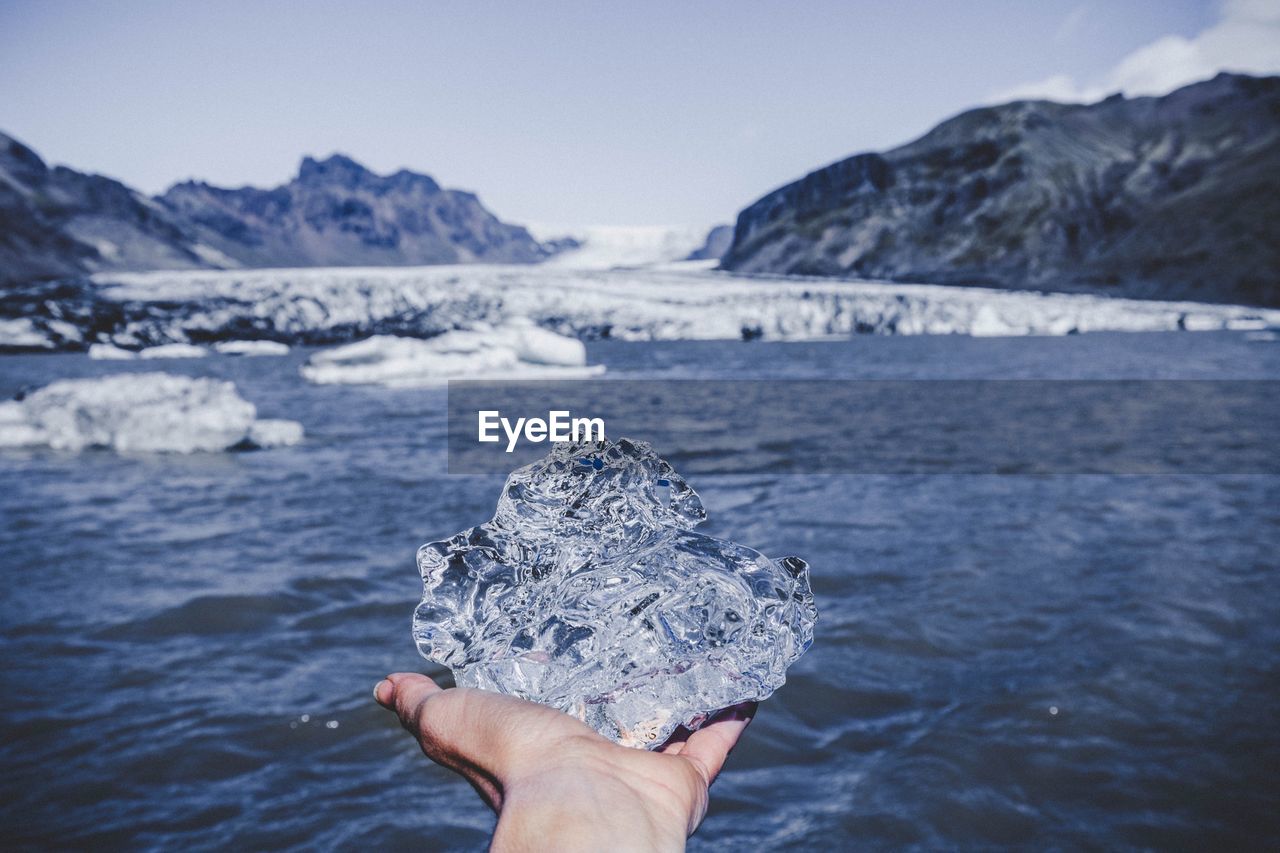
516, 349
140, 412
589, 591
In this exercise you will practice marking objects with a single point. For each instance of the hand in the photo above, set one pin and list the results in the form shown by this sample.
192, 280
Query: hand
554, 782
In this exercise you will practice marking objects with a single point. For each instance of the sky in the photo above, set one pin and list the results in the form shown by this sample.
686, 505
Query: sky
571, 113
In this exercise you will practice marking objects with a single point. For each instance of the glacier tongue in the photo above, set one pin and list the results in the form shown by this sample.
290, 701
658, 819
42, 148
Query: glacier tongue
140, 412
327, 306
590, 592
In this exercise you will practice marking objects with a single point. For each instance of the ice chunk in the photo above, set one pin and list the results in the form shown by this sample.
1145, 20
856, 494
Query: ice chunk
140, 412
174, 351
252, 348
271, 432
22, 333
515, 350
110, 352
590, 592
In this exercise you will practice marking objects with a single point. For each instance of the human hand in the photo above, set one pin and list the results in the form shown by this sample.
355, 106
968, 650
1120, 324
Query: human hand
554, 782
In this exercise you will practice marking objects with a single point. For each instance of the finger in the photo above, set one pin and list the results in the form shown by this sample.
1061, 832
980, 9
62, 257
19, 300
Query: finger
407, 694
391, 691
710, 745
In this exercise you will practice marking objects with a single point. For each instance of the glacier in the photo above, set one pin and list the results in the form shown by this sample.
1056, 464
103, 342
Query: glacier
605, 247
661, 302
589, 591
140, 413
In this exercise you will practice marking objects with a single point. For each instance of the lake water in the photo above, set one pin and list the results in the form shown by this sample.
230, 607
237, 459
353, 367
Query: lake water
188, 644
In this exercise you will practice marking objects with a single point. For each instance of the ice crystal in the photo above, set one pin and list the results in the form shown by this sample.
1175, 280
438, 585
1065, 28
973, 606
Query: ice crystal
590, 592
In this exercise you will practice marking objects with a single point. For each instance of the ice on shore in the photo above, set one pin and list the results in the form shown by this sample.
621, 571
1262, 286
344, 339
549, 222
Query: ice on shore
252, 348
140, 412
514, 350
21, 333
102, 351
590, 592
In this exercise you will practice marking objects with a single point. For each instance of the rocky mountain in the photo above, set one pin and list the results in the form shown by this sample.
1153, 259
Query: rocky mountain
57, 222
1169, 197
338, 213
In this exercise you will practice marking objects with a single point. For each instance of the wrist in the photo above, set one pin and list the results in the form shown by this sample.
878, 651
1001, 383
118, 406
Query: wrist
578, 800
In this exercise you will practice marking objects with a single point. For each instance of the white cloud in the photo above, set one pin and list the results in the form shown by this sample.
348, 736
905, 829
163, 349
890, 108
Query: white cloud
1246, 39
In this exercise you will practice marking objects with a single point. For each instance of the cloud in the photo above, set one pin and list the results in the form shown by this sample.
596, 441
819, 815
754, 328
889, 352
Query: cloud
1246, 39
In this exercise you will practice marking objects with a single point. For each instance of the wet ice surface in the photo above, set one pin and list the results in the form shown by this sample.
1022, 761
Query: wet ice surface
141, 413
512, 350
589, 591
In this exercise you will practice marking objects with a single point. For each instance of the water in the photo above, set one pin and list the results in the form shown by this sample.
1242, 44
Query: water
187, 645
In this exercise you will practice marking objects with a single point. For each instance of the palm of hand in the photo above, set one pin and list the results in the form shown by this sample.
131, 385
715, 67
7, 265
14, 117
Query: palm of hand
550, 776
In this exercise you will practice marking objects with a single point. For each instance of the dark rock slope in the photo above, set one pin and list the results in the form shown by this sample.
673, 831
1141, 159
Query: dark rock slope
57, 222
338, 213
1171, 197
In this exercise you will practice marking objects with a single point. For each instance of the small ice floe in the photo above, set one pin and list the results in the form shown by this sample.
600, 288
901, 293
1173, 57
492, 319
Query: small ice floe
141, 412
20, 333
110, 352
252, 348
174, 351
514, 350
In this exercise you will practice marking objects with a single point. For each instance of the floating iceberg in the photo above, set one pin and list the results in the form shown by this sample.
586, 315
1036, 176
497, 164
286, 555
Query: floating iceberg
20, 333
110, 352
515, 350
252, 348
589, 591
140, 412
173, 351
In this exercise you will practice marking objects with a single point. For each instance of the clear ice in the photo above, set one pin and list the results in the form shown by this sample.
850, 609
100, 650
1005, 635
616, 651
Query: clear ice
590, 592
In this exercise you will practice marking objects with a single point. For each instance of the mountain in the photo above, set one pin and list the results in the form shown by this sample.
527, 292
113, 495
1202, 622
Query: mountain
338, 213
1169, 197
57, 222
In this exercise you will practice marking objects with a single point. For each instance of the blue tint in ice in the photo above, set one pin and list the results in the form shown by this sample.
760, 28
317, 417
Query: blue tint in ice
589, 591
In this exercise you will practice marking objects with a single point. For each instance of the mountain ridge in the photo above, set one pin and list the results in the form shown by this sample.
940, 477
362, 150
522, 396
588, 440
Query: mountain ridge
57, 222
1176, 197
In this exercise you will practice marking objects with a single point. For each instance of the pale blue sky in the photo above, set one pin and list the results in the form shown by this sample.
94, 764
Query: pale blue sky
572, 113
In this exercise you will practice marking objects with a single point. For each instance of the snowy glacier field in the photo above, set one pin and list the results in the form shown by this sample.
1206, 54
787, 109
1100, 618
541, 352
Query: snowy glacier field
188, 641
674, 301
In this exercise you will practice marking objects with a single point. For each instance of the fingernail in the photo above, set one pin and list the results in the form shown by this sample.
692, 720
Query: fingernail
384, 691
